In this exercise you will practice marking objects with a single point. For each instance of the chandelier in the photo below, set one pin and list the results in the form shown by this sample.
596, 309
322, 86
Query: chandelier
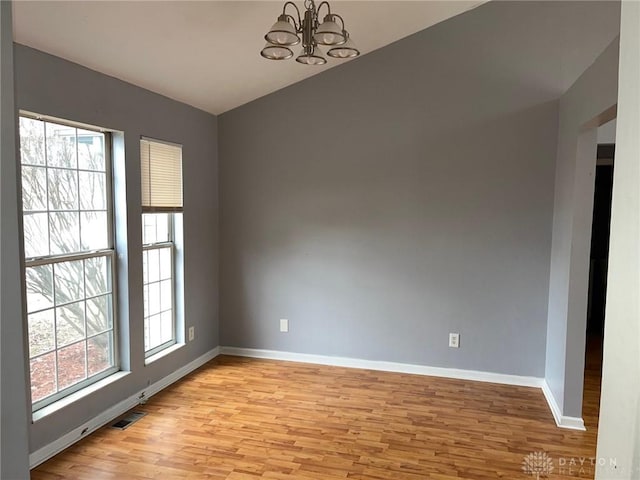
289, 31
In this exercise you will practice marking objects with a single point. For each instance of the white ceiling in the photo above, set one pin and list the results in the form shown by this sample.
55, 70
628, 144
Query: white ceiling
204, 53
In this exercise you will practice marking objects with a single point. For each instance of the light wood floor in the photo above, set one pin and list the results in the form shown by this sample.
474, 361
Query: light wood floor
238, 418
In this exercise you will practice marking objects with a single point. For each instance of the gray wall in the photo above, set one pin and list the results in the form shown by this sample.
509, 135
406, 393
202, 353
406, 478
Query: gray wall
402, 196
619, 428
14, 463
591, 95
607, 132
52, 86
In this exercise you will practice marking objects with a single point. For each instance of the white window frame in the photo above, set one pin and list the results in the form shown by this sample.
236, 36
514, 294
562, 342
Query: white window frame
158, 246
109, 252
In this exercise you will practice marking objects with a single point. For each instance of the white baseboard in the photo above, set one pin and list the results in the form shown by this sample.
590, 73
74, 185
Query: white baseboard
48, 451
571, 423
386, 366
181, 372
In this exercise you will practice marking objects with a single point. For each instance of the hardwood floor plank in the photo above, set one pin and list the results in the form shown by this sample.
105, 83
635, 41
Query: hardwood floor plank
246, 419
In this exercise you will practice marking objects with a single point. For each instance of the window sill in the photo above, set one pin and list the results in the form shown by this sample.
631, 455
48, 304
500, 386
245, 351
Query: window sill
76, 396
163, 353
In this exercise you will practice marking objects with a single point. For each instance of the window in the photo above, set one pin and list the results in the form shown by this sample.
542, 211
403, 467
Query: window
161, 174
69, 256
159, 297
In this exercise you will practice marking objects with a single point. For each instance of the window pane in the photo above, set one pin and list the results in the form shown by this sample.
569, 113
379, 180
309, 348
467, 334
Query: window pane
43, 376
145, 268
155, 228
65, 232
41, 333
34, 188
93, 191
165, 295
72, 364
69, 282
153, 265
70, 323
99, 315
97, 274
63, 189
61, 145
162, 227
166, 327
99, 350
165, 263
94, 230
36, 235
155, 337
145, 295
148, 228
31, 141
39, 283
154, 298
90, 150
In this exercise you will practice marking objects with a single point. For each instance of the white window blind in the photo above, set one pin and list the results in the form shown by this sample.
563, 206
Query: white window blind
161, 172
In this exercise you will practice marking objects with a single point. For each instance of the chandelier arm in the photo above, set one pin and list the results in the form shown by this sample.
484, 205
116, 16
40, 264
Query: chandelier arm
320, 6
297, 24
284, 7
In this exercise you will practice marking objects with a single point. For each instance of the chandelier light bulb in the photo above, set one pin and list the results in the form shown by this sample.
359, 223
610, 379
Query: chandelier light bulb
328, 32
281, 38
282, 32
328, 39
347, 50
311, 56
339, 53
276, 52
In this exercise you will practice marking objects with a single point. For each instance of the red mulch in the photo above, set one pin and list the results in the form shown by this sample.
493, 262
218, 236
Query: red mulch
71, 363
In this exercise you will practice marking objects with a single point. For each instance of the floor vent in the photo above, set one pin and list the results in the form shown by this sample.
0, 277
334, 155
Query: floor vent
128, 420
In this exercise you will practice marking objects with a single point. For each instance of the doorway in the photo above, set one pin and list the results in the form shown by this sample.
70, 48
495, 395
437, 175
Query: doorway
598, 267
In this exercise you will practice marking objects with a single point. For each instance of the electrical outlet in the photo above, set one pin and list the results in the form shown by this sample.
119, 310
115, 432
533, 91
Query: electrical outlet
284, 325
192, 333
454, 340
